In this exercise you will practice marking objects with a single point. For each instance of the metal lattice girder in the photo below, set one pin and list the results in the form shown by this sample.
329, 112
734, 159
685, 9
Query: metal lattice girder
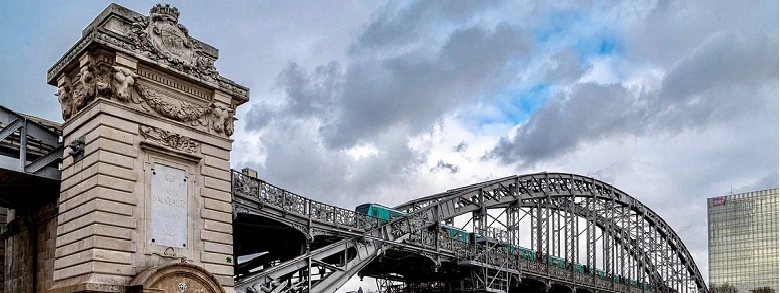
48, 141
605, 199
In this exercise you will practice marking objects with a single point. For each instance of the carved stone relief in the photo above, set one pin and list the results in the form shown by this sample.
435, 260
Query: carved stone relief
217, 117
180, 111
103, 64
177, 277
168, 139
65, 96
123, 78
161, 38
86, 87
121, 84
222, 119
164, 39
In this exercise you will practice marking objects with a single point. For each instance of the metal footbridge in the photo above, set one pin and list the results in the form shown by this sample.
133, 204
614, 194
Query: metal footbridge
585, 235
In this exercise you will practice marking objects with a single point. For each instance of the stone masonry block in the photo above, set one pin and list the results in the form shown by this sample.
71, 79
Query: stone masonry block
215, 173
216, 258
218, 184
102, 242
218, 248
216, 226
94, 230
96, 204
97, 217
215, 151
217, 216
111, 195
216, 237
221, 195
217, 205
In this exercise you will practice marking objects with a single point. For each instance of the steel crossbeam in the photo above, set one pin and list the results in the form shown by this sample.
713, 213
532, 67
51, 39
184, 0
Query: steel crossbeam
17, 131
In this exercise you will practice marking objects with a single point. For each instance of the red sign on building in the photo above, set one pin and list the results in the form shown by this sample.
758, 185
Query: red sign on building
719, 201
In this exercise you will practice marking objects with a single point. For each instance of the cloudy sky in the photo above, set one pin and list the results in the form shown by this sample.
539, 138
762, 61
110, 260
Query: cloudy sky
366, 101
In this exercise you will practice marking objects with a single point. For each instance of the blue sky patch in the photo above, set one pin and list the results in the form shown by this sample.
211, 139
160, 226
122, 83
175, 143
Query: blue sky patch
516, 105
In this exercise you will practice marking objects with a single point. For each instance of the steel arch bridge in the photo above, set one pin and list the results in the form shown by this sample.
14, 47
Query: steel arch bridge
584, 235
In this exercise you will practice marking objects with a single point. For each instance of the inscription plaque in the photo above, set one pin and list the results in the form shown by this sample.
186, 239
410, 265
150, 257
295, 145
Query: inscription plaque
168, 223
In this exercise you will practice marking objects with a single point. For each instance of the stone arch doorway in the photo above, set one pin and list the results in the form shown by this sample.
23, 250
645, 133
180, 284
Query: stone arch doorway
175, 278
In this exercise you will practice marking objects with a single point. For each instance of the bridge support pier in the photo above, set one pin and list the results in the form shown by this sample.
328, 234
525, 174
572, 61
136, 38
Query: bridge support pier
145, 188
29, 247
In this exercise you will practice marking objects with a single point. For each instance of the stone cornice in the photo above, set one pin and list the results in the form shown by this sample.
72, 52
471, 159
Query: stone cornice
95, 35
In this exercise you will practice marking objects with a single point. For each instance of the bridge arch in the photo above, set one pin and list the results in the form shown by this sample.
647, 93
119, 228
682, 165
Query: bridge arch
632, 235
651, 242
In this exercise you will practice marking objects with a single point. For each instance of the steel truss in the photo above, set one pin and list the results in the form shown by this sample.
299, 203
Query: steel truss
36, 146
579, 219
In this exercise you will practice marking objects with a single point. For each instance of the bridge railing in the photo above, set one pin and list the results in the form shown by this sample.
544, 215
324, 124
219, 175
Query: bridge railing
286, 201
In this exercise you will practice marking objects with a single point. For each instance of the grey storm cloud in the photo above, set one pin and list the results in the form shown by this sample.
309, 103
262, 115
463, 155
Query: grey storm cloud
461, 147
414, 89
449, 167
395, 26
729, 76
418, 90
390, 87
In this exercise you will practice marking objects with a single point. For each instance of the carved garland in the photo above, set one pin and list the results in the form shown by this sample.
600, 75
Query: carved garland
118, 86
184, 112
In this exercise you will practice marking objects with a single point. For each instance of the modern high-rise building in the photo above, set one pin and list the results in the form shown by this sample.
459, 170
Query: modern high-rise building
743, 239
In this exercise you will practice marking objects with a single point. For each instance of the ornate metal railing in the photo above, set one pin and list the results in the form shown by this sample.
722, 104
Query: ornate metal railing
270, 195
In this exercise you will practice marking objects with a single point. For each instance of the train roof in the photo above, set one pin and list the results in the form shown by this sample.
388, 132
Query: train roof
381, 206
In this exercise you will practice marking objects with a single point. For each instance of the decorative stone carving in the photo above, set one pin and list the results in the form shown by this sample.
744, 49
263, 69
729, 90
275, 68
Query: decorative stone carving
232, 88
162, 38
86, 88
184, 111
230, 126
122, 79
64, 95
168, 139
169, 278
222, 119
103, 81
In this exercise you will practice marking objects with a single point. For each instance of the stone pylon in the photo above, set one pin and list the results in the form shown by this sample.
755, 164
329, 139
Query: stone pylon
145, 199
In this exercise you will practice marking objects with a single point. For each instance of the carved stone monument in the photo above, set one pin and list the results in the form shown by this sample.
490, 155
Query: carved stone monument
145, 202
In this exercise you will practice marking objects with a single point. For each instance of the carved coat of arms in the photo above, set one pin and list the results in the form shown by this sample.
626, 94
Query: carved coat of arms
163, 38
172, 42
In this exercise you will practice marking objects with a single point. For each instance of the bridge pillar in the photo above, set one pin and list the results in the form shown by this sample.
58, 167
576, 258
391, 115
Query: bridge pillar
145, 197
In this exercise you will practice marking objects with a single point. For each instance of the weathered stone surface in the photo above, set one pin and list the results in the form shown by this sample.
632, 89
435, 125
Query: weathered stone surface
29, 249
144, 96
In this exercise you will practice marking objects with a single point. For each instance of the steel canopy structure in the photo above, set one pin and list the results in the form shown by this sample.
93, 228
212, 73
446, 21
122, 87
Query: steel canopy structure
576, 218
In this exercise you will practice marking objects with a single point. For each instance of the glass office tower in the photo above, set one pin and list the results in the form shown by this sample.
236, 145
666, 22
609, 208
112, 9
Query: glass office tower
743, 239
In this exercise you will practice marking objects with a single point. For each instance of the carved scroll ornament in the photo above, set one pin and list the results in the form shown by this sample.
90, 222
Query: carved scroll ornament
168, 139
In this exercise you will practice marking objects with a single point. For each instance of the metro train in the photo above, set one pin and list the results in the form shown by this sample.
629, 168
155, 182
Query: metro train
386, 214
